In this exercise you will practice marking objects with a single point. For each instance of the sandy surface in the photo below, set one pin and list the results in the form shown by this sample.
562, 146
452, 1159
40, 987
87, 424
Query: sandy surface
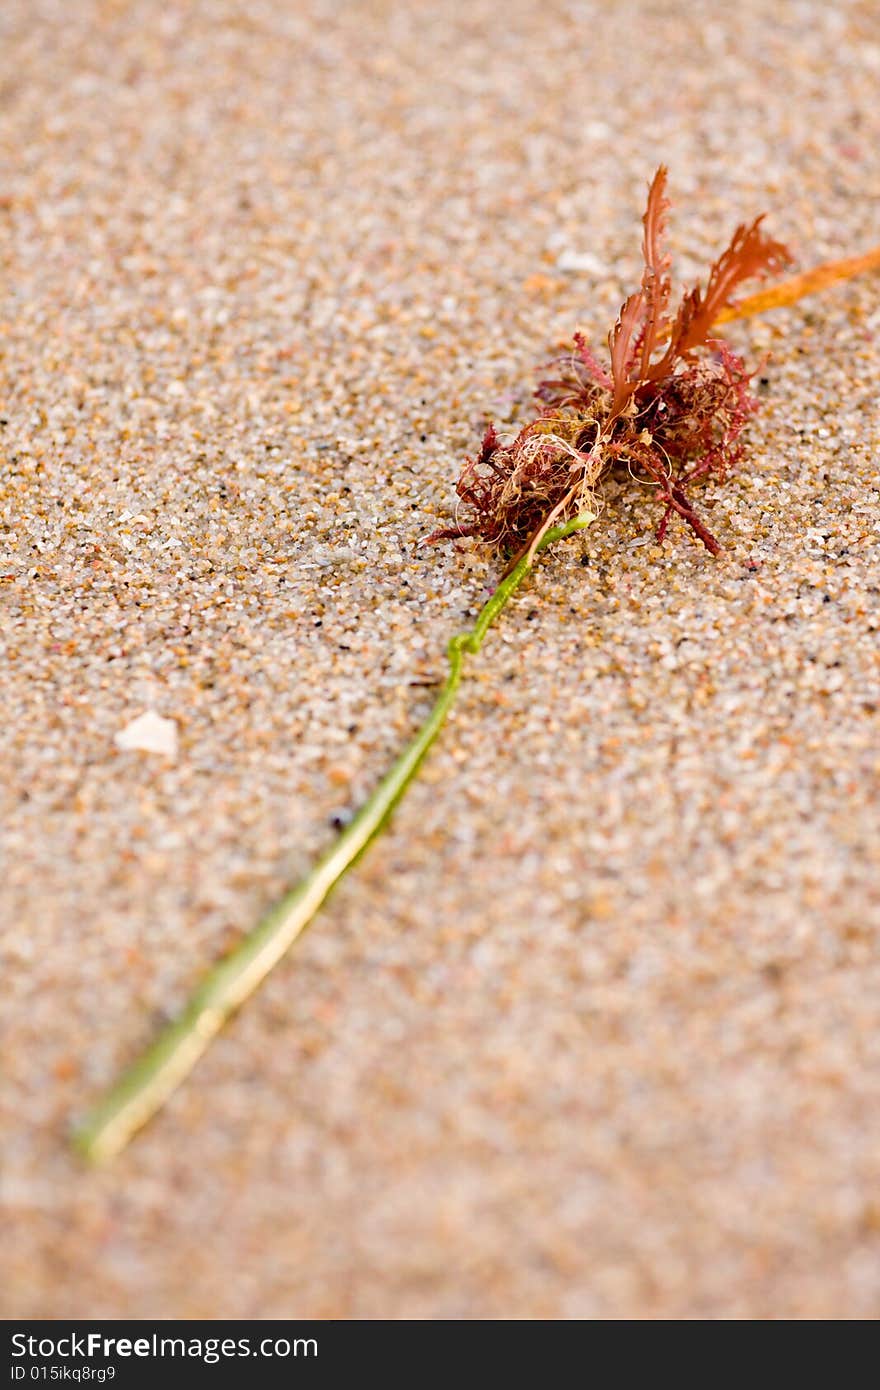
594, 1030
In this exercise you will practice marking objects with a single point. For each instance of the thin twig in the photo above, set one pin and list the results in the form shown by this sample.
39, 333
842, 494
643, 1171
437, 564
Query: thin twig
144, 1088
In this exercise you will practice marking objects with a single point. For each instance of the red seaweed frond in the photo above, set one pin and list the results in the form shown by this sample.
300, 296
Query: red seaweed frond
622, 342
595, 371
674, 418
656, 284
581, 374
749, 254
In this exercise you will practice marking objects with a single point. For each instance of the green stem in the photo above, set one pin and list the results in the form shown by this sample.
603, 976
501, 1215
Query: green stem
158, 1072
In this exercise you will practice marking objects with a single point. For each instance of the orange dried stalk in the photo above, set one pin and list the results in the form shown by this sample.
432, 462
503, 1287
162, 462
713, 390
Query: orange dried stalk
790, 291
670, 406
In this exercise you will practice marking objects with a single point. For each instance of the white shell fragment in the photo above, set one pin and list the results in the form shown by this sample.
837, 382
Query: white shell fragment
577, 261
149, 733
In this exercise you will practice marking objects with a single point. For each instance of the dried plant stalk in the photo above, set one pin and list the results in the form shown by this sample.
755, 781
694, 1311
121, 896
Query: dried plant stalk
790, 291
151, 1080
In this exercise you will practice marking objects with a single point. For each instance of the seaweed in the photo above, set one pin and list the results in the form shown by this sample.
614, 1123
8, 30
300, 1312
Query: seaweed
670, 406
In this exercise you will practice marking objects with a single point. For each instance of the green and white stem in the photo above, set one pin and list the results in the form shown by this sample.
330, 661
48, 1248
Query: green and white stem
148, 1083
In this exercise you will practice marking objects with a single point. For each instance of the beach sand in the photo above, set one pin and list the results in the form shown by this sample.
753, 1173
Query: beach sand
592, 1031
